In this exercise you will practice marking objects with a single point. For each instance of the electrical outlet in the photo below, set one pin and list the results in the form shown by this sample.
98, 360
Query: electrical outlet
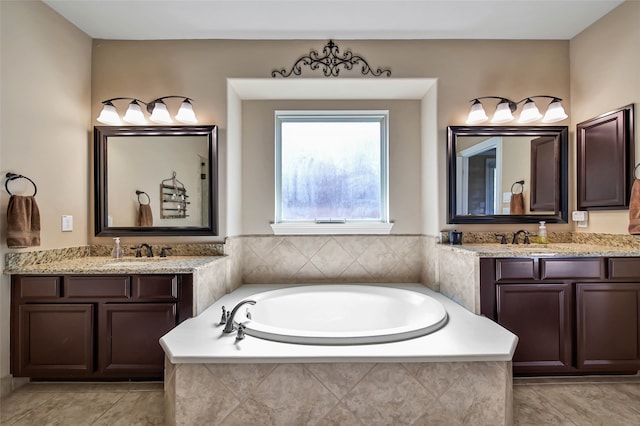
67, 223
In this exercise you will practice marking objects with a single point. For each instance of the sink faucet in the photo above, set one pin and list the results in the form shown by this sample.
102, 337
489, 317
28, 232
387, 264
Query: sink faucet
231, 325
138, 250
517, 233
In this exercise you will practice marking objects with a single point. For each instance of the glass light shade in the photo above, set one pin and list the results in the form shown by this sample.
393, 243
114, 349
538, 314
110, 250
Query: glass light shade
186, 114
476, 113
554, 113
529, 112
109, 115
503, 113
134, 114
160, 113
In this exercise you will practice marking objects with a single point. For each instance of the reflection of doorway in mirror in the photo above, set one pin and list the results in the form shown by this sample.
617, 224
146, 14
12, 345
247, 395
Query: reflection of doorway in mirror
479, 178
204, 185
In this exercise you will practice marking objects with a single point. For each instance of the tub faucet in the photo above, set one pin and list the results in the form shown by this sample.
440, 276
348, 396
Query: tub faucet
231, 325
517, 234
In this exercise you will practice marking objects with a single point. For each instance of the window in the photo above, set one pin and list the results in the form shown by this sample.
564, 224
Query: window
331, 168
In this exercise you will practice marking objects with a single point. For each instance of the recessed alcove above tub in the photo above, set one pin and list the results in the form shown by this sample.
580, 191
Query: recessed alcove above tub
242, 89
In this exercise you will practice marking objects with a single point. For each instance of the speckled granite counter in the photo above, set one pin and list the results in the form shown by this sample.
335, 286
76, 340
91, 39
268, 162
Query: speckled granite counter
126, 265
542, 250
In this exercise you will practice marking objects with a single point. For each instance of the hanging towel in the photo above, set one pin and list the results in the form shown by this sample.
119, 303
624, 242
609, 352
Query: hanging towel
517, 204
23, 222
634, 208
145, 218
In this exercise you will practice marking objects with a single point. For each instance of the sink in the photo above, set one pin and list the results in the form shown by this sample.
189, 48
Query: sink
133, 261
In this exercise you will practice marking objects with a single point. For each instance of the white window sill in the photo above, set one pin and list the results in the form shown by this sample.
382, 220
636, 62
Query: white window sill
310, 228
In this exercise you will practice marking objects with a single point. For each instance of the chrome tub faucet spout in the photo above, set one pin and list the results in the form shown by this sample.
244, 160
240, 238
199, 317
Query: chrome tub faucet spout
231, 325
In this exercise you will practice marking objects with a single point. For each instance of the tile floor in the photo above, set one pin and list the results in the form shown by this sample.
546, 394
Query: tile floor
607, 401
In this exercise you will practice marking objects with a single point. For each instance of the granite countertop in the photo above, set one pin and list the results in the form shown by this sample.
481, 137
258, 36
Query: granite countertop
543, 250
109, 265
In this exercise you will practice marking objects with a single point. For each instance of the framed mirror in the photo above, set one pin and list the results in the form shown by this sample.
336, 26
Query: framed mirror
500, 174
155, 180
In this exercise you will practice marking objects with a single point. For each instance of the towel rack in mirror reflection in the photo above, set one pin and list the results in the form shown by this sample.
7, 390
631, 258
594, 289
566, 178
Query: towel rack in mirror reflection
139, 193
174, 199
13, 176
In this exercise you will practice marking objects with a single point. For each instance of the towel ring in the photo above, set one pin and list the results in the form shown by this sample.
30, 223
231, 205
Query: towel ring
14, 176
634, 171
521, 183
139, 193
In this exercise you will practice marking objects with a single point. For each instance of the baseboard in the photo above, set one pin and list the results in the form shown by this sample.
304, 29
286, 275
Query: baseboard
9, 383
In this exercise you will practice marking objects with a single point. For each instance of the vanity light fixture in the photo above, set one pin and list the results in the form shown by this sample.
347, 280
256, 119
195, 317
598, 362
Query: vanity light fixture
506, 107
157, 108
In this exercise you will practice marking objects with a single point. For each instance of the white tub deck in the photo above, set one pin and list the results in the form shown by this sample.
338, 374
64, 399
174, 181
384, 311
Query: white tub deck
466, 337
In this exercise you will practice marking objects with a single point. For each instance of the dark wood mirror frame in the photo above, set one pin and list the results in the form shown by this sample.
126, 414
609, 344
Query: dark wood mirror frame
101, 135
560, 212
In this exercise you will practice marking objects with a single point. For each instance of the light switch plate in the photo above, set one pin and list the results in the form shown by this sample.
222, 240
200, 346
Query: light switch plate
582, 217
67, 223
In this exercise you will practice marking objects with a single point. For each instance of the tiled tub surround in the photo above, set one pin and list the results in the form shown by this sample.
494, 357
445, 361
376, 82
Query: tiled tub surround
460, 374
332, 258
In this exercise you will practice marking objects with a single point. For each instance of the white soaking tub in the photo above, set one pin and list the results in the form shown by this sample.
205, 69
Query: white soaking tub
342, 315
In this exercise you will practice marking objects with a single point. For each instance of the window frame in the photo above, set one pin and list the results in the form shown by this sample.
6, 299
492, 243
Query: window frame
359, 226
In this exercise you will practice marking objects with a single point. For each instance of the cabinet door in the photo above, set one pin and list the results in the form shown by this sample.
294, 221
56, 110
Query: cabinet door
540, 315
53, 341
608, 326
129, 335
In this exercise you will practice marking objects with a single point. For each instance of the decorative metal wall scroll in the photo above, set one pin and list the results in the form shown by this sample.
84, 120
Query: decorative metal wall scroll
330, 63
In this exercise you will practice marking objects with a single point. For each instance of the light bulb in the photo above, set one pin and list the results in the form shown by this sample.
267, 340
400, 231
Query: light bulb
503, 112
185, 113
109, 115
529, 112
134, 114
555, 112
160, 114
476, 113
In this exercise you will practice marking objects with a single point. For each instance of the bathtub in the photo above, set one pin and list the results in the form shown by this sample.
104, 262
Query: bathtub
342, 315
459, 373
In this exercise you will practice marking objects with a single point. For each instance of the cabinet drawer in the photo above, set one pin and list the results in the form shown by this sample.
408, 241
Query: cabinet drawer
571, 268
515, 269
38, 287
155, 287
624, 268
113, 287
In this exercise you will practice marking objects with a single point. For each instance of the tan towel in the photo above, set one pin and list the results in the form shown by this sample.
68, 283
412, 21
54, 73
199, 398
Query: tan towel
634, 209
517, 204
23, 222
145, 218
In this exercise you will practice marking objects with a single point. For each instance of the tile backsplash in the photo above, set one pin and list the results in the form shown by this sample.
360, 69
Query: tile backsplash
332, 258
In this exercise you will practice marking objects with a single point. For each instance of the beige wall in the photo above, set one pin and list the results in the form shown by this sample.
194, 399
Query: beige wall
605, 75
259, 153
199, 69
45, 127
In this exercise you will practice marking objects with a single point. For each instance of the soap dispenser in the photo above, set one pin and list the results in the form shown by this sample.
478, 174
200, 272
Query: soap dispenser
542, 233
117, 252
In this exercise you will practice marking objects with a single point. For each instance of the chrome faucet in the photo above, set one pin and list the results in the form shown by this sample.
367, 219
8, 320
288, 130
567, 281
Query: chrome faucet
230, 324
517, 233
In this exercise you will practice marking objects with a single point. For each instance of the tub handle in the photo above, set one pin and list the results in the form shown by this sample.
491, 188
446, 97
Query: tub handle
225, 315
240, 334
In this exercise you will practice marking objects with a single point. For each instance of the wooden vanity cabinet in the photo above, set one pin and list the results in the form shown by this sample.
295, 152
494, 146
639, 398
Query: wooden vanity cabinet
94, 327
571, 315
